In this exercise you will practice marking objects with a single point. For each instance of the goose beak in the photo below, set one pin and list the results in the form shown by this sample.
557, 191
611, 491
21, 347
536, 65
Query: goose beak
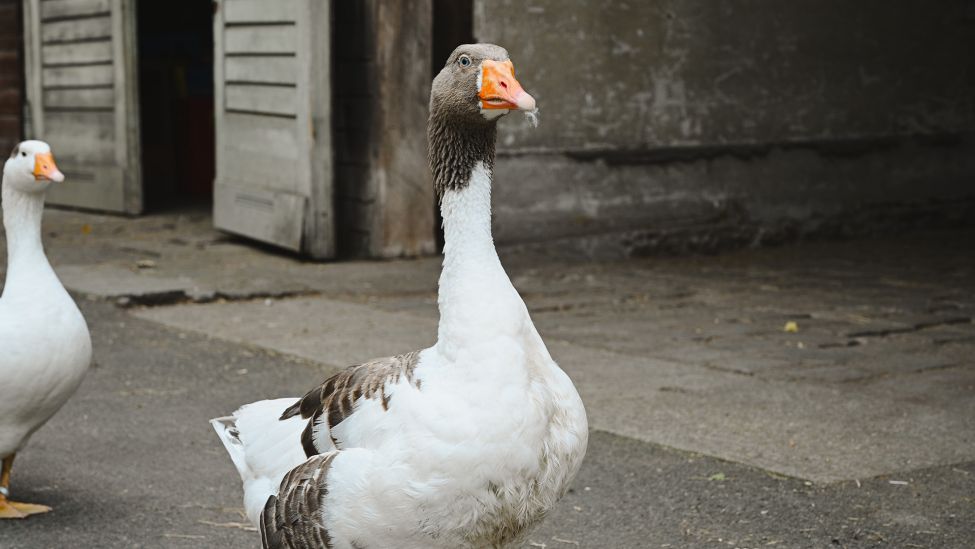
45, 168
500, 90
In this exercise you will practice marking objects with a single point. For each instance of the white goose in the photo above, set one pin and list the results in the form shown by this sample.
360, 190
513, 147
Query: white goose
465, 444
45, 348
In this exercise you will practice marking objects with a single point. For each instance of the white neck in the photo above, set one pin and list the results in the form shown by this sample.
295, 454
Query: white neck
477, 300
467, 221
26, 263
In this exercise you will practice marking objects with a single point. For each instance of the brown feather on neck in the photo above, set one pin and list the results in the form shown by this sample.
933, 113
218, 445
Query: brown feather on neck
456, 146
459, 134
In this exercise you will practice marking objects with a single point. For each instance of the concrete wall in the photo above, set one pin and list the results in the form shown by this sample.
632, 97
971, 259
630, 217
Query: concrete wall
690, 124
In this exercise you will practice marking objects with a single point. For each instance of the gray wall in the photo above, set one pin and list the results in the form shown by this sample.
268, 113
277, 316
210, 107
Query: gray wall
698, 124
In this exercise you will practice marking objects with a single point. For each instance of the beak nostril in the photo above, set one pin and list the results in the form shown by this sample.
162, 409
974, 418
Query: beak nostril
504, 84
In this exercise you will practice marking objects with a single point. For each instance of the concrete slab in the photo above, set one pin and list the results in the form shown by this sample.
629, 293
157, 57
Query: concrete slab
112, 280
131, 462
329, 332
688, 352
804, 430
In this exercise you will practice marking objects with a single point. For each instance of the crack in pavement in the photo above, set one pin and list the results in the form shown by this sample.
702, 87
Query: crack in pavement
911, 329
887, 375
182, 297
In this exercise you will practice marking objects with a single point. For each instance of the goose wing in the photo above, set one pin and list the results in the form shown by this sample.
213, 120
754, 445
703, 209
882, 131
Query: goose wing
294, 518
334, 400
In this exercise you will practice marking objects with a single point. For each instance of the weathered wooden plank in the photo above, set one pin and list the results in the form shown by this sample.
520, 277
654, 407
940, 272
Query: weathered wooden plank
69, 54
81, 137
396, 189
252, 133
34, 120
260, 149
76, 29
72, 8
95, 75
128, 149
316, 72
259, 168
264, 215
89, 186
260, 39
254, 11
282, 70
221, 137
261, 99
85, 98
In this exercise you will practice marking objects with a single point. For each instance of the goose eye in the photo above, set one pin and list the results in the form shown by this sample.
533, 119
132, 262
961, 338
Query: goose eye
23, 153
464, 61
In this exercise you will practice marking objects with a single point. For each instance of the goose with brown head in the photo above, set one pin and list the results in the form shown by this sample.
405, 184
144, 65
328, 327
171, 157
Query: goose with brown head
474, 89
465, 444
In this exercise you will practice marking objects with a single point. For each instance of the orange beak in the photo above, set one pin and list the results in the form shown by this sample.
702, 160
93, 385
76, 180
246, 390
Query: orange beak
500, 90
45, 168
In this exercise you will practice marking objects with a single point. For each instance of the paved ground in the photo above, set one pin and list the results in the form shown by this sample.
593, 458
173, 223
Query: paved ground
713, 425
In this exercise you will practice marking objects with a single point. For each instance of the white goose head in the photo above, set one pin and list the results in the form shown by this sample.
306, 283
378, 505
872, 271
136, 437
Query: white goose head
31, 168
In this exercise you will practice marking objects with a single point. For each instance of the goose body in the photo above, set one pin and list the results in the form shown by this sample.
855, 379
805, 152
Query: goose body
467, 443
45, 347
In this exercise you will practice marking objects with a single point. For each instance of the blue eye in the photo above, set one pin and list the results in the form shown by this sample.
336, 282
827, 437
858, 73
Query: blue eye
464, 61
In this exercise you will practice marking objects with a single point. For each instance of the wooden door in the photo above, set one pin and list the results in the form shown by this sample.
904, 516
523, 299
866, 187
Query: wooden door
273, 129
81, 84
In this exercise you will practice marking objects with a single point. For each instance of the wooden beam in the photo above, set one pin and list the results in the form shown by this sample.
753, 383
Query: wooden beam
383, 87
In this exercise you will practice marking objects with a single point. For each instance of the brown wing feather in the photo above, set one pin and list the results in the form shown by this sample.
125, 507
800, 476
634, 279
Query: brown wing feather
293, 519
334, 400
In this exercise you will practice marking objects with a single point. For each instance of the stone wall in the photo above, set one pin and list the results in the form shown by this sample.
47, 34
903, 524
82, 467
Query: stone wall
672, 125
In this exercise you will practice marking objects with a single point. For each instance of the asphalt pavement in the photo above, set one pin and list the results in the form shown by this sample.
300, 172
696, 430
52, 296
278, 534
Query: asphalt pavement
818, 395
132, 462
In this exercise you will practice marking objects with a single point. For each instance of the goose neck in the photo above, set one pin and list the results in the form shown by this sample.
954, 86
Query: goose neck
22, 214
477, 302
466, 213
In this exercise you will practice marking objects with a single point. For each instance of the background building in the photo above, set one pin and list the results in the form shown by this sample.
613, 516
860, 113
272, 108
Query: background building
665, 126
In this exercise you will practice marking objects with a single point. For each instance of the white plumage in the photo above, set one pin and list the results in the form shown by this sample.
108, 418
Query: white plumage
45, 348
465, 444
272, 449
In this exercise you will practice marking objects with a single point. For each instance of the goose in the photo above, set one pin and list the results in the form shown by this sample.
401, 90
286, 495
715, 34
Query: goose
45, 348
467, 443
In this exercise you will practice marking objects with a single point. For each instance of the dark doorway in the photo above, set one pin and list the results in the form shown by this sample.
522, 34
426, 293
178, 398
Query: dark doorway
176, 103
11, 75
453, 25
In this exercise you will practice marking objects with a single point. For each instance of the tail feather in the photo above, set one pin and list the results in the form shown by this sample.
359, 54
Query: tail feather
262, 447
226, 428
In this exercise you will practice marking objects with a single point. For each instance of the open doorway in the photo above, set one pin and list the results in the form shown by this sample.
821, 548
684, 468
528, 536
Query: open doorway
11, 75
175, 45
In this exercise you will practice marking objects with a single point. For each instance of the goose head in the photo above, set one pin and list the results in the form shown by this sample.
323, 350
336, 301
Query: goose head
478, 84
31, 167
